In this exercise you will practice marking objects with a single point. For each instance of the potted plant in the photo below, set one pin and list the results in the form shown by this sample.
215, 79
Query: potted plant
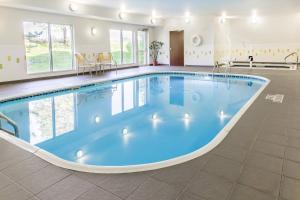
154, 47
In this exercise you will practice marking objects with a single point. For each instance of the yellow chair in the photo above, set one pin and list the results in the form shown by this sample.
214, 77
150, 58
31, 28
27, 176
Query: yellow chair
106, 59
82, 62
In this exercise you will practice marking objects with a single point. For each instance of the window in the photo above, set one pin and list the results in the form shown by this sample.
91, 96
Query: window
122, 46
49, 47
115, 45
127, 47
62, 51
142, 47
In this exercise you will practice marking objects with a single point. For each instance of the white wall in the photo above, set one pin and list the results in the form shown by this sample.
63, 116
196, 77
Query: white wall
12, 47
269, 40
202, 55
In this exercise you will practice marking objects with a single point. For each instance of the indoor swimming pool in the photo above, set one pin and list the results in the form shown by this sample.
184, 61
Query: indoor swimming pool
132, 124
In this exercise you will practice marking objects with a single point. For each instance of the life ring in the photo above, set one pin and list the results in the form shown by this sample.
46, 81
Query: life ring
197, 40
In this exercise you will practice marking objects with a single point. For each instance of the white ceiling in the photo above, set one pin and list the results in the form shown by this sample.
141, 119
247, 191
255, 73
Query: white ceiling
171, 8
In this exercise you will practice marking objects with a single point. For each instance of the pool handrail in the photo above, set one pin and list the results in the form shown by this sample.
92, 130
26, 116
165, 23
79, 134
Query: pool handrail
11, 122
292, 54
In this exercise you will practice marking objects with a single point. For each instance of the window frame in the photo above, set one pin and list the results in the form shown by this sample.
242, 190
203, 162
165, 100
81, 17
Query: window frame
51, 67
146, 49
134, 45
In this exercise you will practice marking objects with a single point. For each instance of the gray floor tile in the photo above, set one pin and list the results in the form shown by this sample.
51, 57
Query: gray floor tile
232, 152
242, 137
223, 167
14, 192
290, 189
292, 154
293, 132
10, 154
294, 142
264, 161
291, 169
210, 186
261, 179
242, 192
25, 168
269, 148
97, 193
43, 178
67, 189
33, 198
153, 190
189, 196
273, 138
273, 126
178, 175
4, 181
122, 184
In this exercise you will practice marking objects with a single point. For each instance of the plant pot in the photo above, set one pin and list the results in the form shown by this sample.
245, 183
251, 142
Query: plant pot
154, 63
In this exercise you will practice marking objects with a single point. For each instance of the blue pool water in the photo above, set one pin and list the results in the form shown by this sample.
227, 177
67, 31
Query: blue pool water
140, 120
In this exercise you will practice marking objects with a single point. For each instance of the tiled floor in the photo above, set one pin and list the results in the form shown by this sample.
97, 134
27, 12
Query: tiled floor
258, 160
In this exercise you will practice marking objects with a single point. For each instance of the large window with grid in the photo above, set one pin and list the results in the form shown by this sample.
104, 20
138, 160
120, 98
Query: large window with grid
49, 47
122, 46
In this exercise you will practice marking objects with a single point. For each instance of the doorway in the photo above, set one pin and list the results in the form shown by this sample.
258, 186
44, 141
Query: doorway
177, 48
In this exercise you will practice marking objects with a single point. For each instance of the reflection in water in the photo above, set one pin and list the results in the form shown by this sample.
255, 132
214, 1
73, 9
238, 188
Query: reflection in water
40, 120
142, 83
42, 126
177, 90
116, 99
64, 114
156, 85
129, 95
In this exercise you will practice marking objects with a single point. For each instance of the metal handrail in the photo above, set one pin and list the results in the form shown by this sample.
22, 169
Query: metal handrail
227, 66
292, 54
116, 65
216, 66
12, 123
